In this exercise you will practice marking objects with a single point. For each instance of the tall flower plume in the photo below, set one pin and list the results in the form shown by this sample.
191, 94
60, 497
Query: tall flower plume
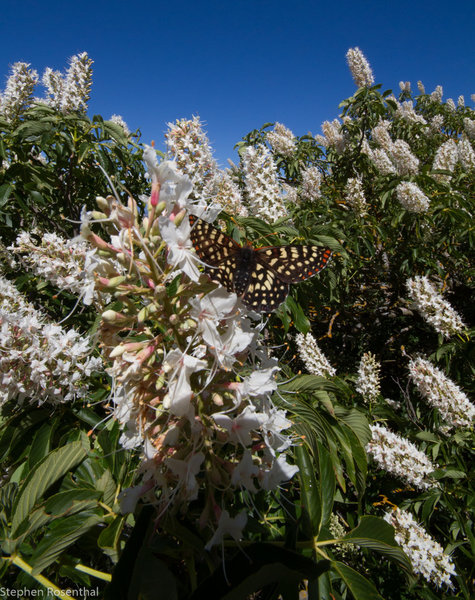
262, 187
411, 197
426, 555
400, 457
18, 92
432, 306
368, 382
315, 361
359, 67
40, 360
441, 393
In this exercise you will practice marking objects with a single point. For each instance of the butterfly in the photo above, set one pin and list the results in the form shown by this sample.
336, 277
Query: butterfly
261, 277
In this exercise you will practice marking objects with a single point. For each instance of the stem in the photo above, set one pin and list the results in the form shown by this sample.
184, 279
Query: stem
94, 573
24, 566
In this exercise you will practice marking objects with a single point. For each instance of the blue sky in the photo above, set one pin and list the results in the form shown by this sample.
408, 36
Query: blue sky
239, 64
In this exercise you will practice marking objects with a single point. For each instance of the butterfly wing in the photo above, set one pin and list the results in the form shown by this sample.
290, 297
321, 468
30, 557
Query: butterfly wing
292, 264
265, 291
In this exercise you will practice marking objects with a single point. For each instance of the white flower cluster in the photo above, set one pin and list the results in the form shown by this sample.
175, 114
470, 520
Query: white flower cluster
311, 181
412, 198
69, 92
333, 135
40, 360
400, 457
469, 125
189, 146
67, 264
441, 393
432, 306
391, 156
282, 140
451, 104
406, 112
354, 195
466, 154
461, 101
359, 67
118, 120
226, 193
445, 159
435, 124
338, 530
379, 158
18, 91
421, 88
405, 86
437, 94
426, 555
368, 382
403, 159
314, 359
193, 392
262, 186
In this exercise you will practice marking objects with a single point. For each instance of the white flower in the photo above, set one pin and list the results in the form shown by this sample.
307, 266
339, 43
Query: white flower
442, 393
244, 472
405, 162
282, 140
368, 382
445, 160
262, 186
469, 125
334, 135
180, 253
426, 555
182, 365
399, 457
354, 195
311, 180
432, 306
18, 92
437, 94
186, 471
227, 525
279, 472
466, 153
412, 198
406, 111
239, 428
188, 144
314, 359
359, 67
40, 360
120, 121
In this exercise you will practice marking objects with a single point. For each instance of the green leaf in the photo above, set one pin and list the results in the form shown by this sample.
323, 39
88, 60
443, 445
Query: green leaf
49, 470
40, 445
64, 534
5, 191
301, 322
327, 482
376, 534
359, 586
310, 489
109, 538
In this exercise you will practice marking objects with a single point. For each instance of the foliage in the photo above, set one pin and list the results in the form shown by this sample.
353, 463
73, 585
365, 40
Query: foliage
70, 470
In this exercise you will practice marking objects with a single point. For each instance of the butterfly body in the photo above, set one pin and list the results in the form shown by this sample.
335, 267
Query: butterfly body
259, 276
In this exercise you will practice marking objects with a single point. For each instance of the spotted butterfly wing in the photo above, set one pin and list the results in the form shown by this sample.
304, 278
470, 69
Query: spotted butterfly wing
260, 277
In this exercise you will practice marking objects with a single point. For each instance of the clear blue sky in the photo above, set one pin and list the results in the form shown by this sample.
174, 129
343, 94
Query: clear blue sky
239, 64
